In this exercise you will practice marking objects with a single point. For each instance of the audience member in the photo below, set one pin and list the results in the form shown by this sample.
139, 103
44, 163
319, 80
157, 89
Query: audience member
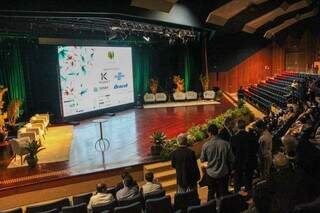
151, 185
129, 190
245, 149
123, 175
101, 197
219, 157
227, 131
184, 161
265, 148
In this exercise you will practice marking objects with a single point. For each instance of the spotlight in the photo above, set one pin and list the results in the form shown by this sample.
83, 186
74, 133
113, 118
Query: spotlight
112, 35
146, 38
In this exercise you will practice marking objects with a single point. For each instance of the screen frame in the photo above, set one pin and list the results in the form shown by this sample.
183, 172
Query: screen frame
98, 112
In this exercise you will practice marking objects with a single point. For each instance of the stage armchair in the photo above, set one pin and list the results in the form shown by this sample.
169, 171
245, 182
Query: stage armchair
38, 128
149, 98
18, 147
31, 134
179, 96
209, 95
191, 95
161, 97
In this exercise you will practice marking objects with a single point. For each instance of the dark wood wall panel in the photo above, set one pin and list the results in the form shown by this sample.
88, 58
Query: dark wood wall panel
252, 70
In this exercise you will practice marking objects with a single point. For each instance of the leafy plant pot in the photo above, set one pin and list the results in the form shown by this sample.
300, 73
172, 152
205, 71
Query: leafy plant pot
156, 149
32, 161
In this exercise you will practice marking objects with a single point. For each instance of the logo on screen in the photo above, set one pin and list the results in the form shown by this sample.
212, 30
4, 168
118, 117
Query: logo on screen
120, 86
103, 76
119, 76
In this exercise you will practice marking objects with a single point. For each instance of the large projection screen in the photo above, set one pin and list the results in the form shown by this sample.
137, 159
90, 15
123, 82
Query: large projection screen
94, 78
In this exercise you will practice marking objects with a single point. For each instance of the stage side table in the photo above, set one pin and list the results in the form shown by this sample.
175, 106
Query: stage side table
102, 144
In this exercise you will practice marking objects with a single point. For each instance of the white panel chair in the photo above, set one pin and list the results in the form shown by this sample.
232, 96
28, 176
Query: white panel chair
209, 95
179, 96
31, 134
191, 95
18, 147
41, 120
149, 98
38, 128
44, 116
161, 97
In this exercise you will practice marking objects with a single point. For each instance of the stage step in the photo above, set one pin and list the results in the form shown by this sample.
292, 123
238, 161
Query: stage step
165, 175
158, 167
169, 185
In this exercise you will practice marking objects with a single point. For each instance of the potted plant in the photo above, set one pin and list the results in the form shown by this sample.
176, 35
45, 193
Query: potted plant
204, 82
33, 148
158, 138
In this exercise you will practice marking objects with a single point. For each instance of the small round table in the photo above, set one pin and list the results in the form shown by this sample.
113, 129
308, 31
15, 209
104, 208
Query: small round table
102, 144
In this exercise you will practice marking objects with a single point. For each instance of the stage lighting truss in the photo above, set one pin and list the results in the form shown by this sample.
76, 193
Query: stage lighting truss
112, 28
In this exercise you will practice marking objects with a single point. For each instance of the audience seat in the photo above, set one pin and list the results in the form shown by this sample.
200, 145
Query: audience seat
80, 208
183, 200
83, 198
48, 206
51, 211
159, 205
157, 194
129, 201
132, 208
209, 207
233, 203
16, 210
102, 208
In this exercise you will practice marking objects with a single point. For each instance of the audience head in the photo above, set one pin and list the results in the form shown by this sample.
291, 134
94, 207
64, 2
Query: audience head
260, 125
101, 188
290, 144
213, 130
128, 181
182, 139
280, 160
149, 176
228, 122
241, 124
125, 174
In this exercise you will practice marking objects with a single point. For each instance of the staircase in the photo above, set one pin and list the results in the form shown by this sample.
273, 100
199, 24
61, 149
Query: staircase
165, 174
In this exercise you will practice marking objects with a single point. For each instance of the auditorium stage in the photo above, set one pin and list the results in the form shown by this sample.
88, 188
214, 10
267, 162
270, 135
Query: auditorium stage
129, 134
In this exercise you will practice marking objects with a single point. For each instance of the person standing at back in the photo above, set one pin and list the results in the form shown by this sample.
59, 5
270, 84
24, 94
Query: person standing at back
265, 148
219, 157
245, 148
184, 161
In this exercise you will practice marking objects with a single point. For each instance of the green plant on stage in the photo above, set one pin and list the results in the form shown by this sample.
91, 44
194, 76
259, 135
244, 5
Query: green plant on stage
158, 137
33, 148
199, 132
195, 133
204, 79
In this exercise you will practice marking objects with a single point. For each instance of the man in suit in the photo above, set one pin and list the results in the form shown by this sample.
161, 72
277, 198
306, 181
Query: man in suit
184, 161
245, 148
218, 155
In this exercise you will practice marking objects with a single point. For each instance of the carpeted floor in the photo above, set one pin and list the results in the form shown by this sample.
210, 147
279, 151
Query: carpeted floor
57, 146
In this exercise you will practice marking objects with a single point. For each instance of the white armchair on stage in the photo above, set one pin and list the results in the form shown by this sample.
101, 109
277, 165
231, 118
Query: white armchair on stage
161, 97
179, 96
41, 118
191, 95
149, 98
209, 95
18, 147
31, 134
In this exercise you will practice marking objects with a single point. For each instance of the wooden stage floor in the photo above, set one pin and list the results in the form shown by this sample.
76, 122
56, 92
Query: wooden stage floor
129, 134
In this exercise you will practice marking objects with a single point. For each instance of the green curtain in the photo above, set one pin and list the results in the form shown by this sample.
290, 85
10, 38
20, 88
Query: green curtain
11, 70
187, 69
142, 66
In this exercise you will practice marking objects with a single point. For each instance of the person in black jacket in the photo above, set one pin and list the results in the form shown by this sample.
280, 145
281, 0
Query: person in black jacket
245, 147
184, 161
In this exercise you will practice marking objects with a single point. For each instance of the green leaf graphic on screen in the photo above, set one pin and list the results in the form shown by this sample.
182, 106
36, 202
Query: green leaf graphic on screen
111, 55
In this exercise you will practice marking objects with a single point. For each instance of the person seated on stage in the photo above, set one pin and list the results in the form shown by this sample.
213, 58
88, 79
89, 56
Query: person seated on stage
151, 185
101, 197
129, 190
120, 185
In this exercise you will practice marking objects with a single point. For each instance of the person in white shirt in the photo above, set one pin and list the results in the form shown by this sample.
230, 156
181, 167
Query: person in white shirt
151, 185
101, 197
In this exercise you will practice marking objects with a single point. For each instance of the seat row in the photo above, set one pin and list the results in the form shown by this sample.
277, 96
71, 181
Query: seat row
156, 202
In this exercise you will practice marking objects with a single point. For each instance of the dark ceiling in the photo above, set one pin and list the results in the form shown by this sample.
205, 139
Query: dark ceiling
95, 17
